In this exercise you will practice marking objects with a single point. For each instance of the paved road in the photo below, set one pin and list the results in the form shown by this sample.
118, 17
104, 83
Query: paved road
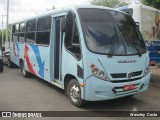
33, 94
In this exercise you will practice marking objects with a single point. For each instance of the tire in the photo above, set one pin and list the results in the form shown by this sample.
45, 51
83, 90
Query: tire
25, 73
74, 93
1, 68
10, 64
1, 65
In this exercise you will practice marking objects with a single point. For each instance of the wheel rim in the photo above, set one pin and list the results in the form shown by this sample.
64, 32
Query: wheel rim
8, 63
74, 93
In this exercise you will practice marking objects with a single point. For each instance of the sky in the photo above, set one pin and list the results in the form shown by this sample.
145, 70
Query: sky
19, 9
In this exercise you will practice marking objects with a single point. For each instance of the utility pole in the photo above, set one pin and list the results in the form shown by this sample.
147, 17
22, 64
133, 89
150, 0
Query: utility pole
2, 30
7, 21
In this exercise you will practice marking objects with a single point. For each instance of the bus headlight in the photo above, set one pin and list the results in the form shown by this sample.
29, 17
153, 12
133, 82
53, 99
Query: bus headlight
99, 73
146, 71
95, 71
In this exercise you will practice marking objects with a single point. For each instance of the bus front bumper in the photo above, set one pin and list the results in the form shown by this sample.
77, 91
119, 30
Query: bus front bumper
99, 90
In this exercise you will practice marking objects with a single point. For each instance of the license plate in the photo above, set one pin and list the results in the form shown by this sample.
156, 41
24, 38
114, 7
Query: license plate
129, 87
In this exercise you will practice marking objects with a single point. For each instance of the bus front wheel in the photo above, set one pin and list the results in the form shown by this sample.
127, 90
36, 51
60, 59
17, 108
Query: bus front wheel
74, 93
24, 72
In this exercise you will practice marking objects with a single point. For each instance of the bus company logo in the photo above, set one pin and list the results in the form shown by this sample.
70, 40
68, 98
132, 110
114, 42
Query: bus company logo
130, 74
127, 61
6, 114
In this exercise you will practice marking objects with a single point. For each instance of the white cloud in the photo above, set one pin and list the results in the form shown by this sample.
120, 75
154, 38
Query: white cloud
19, 9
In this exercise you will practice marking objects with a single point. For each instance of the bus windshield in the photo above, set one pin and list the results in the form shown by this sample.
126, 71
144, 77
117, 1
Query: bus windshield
110, 32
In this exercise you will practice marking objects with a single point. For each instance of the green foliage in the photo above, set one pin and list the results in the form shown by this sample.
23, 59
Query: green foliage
4, 34
109, 3
152, 3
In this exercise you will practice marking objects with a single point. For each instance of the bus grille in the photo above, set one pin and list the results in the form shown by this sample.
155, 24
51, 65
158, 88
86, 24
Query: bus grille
123, 75
128, 80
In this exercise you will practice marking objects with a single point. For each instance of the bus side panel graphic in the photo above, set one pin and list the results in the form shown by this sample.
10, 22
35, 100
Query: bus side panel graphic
16, 50
26, 57
39, 60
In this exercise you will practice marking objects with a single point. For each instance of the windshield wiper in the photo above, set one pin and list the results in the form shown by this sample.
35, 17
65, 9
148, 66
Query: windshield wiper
130, 42
112, 48
113, 43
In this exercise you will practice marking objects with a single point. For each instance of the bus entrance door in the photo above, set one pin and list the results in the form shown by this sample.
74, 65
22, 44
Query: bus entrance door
57, 49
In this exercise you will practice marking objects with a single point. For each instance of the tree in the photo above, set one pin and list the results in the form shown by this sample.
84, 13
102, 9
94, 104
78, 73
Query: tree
4, 34
109, 3
152, 3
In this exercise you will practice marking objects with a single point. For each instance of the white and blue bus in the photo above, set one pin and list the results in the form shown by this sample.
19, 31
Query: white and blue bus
93, 53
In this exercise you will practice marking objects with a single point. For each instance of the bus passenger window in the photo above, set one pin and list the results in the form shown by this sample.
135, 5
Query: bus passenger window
72, 42
30, 37
22, 29
43, 31
30, 34
15, 30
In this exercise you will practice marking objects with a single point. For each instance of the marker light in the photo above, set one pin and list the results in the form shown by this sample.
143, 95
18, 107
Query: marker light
92, 66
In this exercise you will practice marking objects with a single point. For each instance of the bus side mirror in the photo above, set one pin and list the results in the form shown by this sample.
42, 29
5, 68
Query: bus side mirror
63, 24
137, 25
3, 49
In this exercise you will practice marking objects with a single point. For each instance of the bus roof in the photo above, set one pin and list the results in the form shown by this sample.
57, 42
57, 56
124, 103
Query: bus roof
63, 10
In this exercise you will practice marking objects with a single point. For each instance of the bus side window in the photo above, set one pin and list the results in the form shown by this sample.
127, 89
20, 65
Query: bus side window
30, 34
43, 31
72, 42
75, 39
22, 29
15, 30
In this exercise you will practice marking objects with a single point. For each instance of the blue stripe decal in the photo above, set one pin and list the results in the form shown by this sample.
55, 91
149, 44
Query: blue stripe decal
39, 60
17, 49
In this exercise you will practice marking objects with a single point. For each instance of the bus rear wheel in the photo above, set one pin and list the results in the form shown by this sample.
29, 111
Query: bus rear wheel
1, 68
24, 72
9, 63
1, 65
74, 93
